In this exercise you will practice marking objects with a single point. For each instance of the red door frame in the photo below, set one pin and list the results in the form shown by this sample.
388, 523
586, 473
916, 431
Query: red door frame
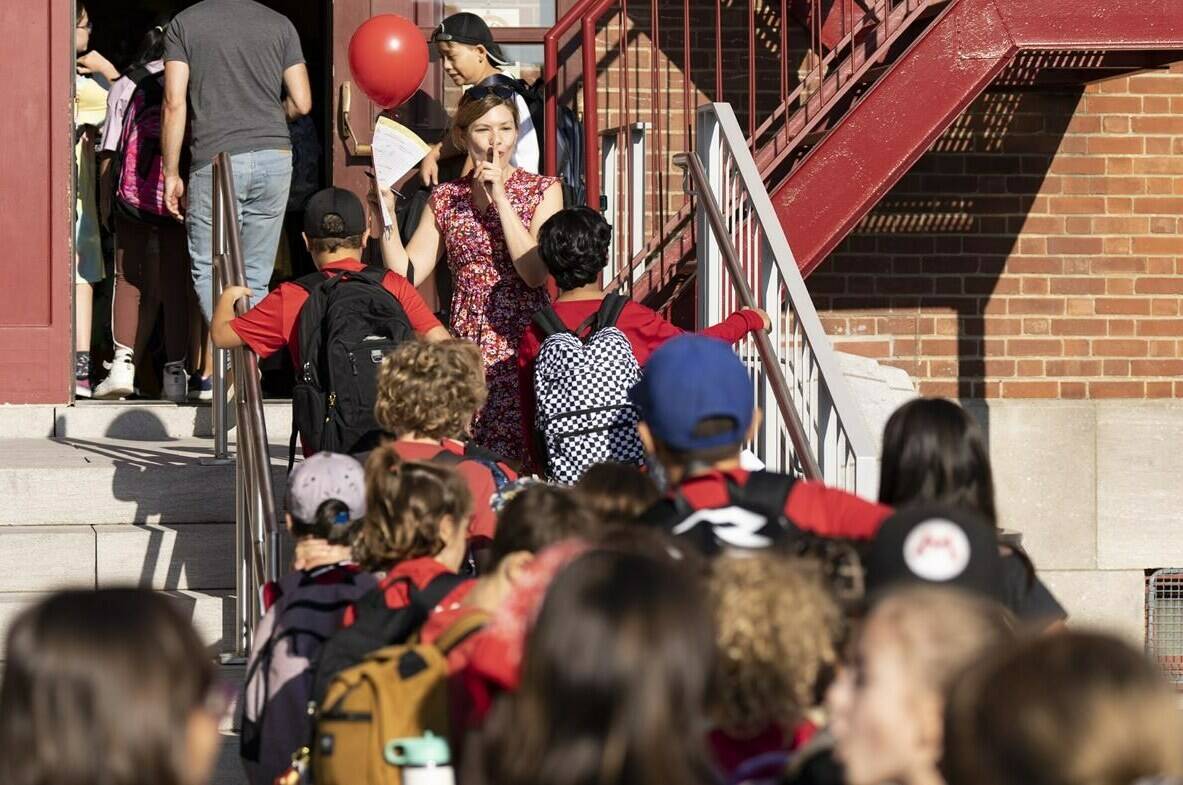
36, 204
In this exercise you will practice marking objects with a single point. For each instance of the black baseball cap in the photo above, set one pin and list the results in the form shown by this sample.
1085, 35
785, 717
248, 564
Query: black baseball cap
466, 28
939, 546
334, 201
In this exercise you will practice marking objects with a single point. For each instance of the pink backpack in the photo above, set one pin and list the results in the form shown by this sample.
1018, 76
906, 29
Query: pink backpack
139, 188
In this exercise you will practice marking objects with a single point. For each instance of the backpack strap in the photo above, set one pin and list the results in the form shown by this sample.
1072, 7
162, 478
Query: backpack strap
369, 274
435, 591
461, 630
610, 309
765, 492
549, 322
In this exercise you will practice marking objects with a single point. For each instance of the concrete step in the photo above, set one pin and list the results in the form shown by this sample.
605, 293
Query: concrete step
151, 556
94, 481
130, 420
212, 613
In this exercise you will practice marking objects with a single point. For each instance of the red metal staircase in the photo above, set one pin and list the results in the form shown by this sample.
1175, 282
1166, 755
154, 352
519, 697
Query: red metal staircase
962, 51
878, 83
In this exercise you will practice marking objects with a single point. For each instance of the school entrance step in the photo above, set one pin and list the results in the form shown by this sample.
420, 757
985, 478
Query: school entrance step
131, 420
95, 511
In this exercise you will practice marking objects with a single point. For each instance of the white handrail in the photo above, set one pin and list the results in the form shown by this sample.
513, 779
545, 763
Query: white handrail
833, 419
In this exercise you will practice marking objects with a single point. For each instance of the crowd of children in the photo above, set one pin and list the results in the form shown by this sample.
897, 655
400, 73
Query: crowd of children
659, 625
530, 548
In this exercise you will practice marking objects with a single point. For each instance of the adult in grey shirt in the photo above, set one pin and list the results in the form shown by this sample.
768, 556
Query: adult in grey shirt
238, 67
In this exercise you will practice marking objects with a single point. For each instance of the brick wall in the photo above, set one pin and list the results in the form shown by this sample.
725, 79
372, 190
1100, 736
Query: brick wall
1035, 252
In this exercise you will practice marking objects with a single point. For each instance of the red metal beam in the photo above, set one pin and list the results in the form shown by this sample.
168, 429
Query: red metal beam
856, 164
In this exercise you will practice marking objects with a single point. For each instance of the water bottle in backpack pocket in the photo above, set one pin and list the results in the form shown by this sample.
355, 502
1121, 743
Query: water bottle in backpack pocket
424, 760
581, 386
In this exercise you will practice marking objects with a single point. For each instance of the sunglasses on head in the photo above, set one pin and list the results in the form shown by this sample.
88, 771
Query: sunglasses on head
501, 91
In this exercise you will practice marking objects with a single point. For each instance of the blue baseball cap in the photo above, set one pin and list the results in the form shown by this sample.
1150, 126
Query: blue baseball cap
688, 380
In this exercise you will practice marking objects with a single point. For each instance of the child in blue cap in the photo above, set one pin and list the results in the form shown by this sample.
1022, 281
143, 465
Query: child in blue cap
697, 410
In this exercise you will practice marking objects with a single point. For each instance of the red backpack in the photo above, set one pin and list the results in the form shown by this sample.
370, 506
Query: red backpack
139, 185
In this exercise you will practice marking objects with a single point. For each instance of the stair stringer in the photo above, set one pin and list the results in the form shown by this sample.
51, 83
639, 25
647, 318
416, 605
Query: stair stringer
925, 90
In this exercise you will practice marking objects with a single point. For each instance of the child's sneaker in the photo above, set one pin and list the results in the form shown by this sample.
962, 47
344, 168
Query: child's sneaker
120, 381
176, 382
82, 375
201, 388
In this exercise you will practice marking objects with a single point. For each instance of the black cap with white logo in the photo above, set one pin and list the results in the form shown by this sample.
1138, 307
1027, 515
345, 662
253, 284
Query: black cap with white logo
940, 546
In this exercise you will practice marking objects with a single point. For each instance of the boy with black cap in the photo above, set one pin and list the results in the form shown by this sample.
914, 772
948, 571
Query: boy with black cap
697, 409
471, 58
335, 231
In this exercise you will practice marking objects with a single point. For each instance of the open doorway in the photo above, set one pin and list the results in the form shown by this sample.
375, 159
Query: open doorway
117, 29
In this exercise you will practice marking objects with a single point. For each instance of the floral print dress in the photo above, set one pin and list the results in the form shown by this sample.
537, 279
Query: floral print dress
491, 305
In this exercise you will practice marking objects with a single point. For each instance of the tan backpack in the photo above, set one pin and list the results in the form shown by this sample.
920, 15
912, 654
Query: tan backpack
396, 692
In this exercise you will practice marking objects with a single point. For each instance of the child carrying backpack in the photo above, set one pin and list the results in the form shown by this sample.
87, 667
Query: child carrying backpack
326, 498
590, 420
428, 396
697, 410
338, 324
416, 531
151, 252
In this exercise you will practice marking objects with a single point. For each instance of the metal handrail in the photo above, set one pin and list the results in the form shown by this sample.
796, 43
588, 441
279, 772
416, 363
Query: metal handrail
256, 522
780, 388
823, 420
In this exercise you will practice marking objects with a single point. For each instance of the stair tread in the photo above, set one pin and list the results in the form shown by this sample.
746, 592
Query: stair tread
102, 480
100, 452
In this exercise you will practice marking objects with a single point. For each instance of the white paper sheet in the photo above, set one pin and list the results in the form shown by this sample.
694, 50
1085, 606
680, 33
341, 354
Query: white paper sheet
397, 149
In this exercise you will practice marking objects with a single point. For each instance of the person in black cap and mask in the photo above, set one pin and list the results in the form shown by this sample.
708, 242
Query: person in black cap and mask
471, 58
335, 231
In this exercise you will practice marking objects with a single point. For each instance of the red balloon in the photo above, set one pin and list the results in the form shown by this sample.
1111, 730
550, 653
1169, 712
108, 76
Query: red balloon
388, 58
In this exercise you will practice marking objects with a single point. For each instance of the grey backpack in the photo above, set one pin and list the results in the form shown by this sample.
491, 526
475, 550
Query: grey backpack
288, 640
581, 383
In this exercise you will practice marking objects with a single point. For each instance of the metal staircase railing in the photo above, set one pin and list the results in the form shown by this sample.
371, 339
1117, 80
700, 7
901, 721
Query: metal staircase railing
813, 424
256, 524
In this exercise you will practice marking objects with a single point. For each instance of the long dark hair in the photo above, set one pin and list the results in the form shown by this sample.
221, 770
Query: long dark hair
100, 687
935, 452
151, 45
615, 681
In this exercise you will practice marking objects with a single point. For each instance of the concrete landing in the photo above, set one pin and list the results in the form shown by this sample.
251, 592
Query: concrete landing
130, 420
104, 481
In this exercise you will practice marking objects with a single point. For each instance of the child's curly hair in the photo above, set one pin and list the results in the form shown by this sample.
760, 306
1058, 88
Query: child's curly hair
777, 628
431, 389
406, 502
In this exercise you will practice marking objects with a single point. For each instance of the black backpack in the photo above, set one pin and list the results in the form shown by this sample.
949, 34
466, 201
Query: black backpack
570, 142
376, 625
348, 325
756, 519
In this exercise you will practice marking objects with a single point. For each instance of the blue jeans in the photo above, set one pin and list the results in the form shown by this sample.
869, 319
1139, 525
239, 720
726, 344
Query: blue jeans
262, 180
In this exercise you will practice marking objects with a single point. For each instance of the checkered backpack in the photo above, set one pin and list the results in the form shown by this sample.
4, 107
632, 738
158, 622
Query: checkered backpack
581, 383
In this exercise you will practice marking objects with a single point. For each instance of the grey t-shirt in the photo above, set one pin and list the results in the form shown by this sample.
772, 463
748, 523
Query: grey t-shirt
237, 51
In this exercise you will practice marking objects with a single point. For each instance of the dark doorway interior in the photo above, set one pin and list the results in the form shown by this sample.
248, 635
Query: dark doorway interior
119, 26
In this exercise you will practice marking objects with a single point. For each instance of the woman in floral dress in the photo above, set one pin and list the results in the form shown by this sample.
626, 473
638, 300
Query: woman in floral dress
488, 224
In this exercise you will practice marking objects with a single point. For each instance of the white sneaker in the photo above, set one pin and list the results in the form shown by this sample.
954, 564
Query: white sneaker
176, 382
120, 382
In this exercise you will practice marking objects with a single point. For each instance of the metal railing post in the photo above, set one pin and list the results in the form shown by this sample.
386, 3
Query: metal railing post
814, 421
219, 278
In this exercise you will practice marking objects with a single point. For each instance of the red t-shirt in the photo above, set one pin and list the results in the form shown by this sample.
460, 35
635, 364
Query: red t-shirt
421, 572
645, 329
271, 323
813, 506
479, 479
